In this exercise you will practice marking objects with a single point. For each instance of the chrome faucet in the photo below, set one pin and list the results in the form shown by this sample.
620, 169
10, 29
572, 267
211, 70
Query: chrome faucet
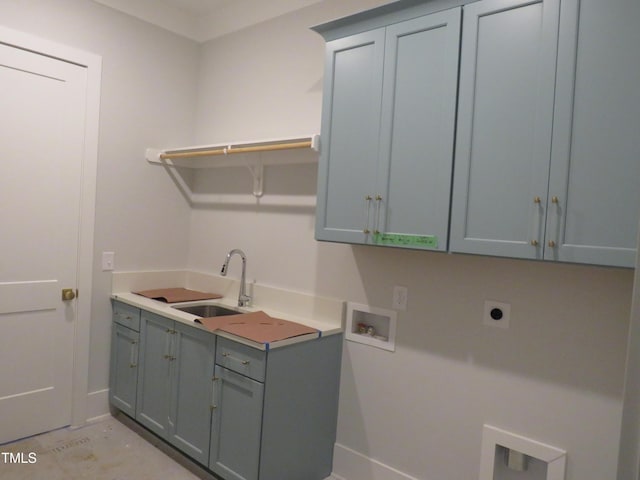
243, 298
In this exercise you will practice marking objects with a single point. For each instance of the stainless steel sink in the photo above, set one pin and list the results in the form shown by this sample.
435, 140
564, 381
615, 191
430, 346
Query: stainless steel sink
206, 311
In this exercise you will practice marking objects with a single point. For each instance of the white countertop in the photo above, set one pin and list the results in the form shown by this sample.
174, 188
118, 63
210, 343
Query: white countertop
322, 314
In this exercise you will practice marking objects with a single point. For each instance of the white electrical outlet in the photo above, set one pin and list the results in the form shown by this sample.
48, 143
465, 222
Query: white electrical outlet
108, 261
496, 314
400, 295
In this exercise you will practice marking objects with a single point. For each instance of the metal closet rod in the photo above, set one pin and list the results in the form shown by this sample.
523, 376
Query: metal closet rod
228, 150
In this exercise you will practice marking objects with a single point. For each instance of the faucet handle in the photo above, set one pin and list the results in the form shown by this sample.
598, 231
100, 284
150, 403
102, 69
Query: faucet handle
244, 300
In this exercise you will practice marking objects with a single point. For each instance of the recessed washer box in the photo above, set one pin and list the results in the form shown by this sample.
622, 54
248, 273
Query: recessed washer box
371, 326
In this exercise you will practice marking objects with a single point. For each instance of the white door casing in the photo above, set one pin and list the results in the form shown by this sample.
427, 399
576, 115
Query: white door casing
49, 138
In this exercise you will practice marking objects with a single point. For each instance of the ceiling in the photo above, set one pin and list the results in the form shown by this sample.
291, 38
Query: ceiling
203, 20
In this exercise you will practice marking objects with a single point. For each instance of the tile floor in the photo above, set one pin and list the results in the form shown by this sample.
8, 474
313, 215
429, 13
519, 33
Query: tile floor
115, 448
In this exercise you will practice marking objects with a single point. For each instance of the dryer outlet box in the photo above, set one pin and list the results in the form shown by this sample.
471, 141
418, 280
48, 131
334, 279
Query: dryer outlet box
496, 314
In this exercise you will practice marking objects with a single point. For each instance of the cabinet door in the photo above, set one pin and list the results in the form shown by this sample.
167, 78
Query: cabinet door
155, 363
349, 145
505, 114
189, 424
236, 426
594, 187
124, 369
417, 131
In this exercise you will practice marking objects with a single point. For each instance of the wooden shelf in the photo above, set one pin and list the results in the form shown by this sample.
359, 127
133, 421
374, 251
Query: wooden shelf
237, 154
254, 155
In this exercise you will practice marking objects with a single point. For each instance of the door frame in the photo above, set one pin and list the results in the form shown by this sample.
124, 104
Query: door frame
93, 64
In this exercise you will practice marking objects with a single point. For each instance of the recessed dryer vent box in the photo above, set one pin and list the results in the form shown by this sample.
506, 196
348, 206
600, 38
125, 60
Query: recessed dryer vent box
371, 326
547, 462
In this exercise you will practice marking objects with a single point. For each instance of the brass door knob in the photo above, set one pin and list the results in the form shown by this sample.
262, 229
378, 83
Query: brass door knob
68, 294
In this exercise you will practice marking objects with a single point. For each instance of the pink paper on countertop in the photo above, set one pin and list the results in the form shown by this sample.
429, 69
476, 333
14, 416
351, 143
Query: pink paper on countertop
257, 326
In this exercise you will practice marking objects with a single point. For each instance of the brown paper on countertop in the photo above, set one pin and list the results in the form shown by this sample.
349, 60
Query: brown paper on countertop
175, 295
256, 326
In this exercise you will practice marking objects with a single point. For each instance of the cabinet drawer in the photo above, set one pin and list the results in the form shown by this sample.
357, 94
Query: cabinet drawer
126, 315
241, 358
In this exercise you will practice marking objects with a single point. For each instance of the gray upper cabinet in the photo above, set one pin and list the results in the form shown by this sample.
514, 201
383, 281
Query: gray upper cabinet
388, 134
546, 160
505, 116
540, 97
594, 188
350, 131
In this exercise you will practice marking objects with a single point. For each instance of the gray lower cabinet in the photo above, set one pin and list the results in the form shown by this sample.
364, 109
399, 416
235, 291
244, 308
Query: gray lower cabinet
276, 411
123, 375
236, 425
174, 383
242, 412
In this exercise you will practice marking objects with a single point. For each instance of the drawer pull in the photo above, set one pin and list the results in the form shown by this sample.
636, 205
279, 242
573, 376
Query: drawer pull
231, 357
170, 357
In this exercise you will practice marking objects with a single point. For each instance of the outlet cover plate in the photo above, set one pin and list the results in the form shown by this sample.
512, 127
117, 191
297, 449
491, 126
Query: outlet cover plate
400, 298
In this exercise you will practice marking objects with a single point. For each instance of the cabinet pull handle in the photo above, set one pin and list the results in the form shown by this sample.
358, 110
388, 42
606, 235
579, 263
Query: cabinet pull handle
556, 201
231, 357
366, 214
535, 241
213, 406
134, 354
378, 202
169, 346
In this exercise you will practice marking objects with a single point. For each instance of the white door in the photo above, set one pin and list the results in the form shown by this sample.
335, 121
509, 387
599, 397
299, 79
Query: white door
42, 127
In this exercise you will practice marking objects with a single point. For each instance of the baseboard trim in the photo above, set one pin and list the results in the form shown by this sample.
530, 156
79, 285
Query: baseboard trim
351, 465
98, 405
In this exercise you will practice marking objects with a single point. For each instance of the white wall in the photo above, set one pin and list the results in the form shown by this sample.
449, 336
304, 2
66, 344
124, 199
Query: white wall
556, 375
148, 99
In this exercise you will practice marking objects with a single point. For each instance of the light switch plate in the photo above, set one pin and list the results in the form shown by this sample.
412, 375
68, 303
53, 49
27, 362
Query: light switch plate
108, 261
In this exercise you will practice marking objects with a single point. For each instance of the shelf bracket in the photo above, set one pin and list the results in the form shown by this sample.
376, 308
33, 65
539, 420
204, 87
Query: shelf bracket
257, 172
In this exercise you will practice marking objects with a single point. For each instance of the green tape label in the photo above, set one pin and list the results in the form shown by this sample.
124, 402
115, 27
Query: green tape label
401, 240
